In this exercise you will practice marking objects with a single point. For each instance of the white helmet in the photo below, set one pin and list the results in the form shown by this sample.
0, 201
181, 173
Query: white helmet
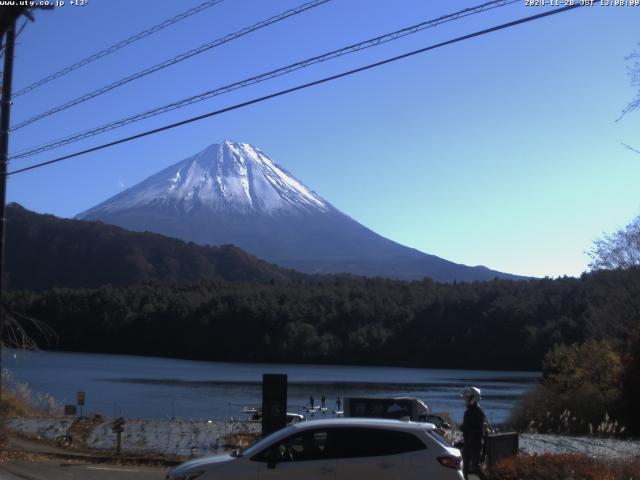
471, 394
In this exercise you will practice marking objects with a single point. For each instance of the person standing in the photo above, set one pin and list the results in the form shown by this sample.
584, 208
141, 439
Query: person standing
474, 426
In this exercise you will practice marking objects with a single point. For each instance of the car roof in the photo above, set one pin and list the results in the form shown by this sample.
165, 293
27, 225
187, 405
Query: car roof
300, 427
364, 422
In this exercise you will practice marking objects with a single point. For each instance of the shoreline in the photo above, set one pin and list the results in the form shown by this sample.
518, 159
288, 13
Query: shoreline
528, 373
188, 438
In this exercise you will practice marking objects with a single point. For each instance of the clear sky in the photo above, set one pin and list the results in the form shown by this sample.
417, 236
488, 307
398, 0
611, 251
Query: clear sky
503, 150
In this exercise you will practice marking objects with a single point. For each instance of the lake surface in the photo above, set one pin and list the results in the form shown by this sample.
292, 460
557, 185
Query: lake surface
149, 387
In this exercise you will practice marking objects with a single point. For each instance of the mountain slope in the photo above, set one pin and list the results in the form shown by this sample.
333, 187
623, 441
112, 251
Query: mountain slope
44, 251
232, 193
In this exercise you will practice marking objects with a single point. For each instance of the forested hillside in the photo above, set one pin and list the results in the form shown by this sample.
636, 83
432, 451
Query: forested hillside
498, 325
44, 251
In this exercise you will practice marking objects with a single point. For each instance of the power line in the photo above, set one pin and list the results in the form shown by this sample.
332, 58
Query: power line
117, 46
300, 87
263, 77
172, 61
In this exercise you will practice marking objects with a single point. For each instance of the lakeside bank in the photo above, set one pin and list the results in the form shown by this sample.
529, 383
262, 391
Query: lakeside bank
182, 438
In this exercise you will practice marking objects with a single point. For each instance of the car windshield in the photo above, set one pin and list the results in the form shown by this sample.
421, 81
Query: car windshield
261, 444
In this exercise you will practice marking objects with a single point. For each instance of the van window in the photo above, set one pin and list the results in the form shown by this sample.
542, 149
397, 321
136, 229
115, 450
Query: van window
372, 442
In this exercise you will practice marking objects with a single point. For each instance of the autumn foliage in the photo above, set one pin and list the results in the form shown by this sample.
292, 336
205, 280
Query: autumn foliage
565, 466
581, 392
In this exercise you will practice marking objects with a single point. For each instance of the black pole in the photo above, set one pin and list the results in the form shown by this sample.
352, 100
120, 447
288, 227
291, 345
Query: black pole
4, 159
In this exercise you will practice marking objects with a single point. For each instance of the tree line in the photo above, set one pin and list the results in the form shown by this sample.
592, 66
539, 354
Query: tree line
500, 324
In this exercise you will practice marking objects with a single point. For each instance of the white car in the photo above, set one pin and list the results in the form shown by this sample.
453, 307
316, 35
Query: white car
336, 449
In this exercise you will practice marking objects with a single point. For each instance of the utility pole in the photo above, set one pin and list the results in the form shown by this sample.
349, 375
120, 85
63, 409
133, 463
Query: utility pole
9, 15
8, 18
5, 116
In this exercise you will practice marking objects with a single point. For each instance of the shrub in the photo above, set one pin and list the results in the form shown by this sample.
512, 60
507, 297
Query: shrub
565, 466
581, 388
593, 364
19, 400
3, 428
631, 388
13, 407
10, 406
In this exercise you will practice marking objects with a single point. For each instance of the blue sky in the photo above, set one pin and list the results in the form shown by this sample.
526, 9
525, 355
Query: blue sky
503, 150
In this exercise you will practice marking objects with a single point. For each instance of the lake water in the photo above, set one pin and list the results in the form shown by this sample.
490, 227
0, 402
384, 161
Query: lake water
149, 387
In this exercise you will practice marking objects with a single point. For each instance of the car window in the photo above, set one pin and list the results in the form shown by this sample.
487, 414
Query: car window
434, 419
372, 442
439, 438
311, 445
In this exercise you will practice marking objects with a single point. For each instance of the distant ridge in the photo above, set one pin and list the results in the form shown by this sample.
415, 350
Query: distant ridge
44, 251
232, 193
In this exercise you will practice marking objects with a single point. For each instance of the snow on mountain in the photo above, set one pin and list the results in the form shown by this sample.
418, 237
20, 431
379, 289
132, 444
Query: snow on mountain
226, 176
232, 193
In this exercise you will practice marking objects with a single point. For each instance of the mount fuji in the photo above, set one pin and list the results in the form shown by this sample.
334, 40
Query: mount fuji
232, 193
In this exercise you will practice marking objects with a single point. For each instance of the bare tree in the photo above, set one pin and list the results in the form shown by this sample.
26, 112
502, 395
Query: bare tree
634, 75
633, 69
619, 250
20, 332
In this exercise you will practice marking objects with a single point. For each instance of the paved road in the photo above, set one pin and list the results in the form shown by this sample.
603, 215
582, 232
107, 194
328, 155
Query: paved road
24, 445
57, 470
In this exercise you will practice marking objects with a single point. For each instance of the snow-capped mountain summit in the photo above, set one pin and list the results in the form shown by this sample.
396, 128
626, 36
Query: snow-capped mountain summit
232, 193
226, 176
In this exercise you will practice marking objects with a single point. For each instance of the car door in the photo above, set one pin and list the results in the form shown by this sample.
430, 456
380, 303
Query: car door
303, 455
372, 453
361, 454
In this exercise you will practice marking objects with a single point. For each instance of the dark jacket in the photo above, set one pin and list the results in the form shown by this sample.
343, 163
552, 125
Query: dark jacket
473, 424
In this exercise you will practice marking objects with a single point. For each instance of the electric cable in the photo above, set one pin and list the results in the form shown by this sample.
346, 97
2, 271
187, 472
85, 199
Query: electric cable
117, 46
261, 77
172, 61
300, 87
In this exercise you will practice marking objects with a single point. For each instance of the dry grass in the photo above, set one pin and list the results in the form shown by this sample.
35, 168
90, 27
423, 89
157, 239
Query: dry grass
542, 410
10, 406
13, 406
19, 401
7, 456
3, 428
565, 466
